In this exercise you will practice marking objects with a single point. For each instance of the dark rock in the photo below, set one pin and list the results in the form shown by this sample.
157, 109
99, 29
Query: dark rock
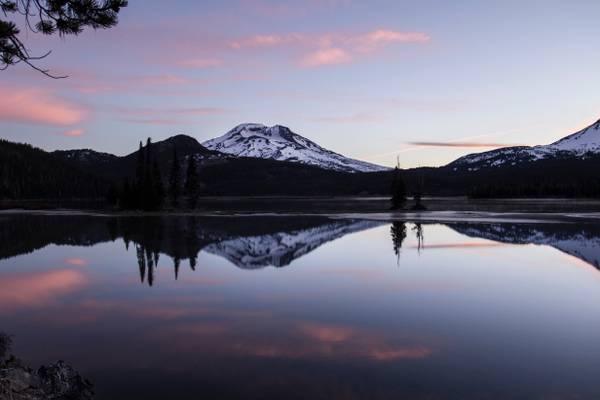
60, 381
56, 382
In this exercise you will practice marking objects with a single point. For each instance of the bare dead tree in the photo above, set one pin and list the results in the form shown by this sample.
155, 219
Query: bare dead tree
62, 17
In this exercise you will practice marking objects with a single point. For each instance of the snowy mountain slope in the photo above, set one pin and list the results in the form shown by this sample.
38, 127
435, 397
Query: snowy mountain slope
582, 144
280, 249
281, 144
582, 242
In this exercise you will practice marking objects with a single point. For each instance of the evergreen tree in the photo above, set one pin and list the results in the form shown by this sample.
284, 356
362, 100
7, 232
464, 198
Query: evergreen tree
149, 201
398, 189
147, 190
49, 17
418, 195
418, 229
138, 188
398, 233
159, 189
191, 183
174, 179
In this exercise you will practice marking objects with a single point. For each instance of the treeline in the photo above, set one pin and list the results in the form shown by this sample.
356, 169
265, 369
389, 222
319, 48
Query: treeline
581, 188
27, 172
148, 191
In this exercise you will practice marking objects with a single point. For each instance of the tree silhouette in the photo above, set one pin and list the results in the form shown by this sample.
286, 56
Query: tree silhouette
65, 17
191, 183
418, 194
418, 229
398, 189
398, 233
141, 258
147, 191
176, 264
159, 189
174, 179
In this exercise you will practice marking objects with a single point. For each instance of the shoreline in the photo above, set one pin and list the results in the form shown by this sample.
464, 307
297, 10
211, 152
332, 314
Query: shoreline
389, 216
440, 209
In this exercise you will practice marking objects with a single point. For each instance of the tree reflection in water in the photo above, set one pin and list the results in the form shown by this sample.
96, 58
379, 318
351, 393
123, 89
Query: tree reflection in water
398, 233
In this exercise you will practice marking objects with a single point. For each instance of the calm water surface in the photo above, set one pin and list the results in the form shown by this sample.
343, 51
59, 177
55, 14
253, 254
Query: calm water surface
305, 307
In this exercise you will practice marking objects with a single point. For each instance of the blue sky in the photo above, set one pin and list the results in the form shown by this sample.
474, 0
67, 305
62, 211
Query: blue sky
427, 81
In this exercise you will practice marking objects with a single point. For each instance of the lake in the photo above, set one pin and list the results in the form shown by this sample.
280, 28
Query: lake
305, 307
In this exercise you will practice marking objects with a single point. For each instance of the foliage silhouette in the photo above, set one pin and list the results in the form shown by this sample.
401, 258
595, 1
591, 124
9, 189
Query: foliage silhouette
398, 190
192, 186
174, 179
65, 17
398, 234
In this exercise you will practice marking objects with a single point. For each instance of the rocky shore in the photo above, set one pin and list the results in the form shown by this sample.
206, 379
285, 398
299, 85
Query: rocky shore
56, 381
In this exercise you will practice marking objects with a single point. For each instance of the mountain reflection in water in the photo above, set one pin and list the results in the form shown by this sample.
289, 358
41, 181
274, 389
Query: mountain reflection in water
247, 242
305, 307
256, 242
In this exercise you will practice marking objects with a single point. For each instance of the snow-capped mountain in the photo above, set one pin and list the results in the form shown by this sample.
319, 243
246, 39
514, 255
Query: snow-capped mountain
582, 144
281, 144
281, 248
581, 241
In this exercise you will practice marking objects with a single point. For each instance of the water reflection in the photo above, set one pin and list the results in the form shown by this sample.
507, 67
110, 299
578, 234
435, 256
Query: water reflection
577, 240
343, 321
398, 234
248, 242
258, 242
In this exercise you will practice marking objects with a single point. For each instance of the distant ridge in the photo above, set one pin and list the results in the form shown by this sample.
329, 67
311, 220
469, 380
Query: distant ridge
582, 144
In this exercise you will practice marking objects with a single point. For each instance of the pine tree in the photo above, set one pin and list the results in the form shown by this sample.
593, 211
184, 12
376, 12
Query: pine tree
148, 187
418, 194
398, 189
191, 183
398, 233
159, 190
138, 186
174, 179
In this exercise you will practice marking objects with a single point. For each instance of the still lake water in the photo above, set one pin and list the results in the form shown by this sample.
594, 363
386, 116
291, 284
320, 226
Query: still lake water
305, 307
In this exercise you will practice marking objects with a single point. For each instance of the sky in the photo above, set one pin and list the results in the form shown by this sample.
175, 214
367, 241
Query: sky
420, 81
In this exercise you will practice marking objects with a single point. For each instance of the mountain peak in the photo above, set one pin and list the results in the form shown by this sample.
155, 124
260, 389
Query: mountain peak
179, 138
279, 143
583, 143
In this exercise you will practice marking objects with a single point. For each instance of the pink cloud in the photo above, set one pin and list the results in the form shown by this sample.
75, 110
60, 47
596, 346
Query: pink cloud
74, 132
325, 332
331, 48
326, 57
400, 353
266, 40
38, 106
369, 41
37, 289
76, 262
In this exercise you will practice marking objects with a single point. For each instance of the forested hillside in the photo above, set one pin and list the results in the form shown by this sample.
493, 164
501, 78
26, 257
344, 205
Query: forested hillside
30, 173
